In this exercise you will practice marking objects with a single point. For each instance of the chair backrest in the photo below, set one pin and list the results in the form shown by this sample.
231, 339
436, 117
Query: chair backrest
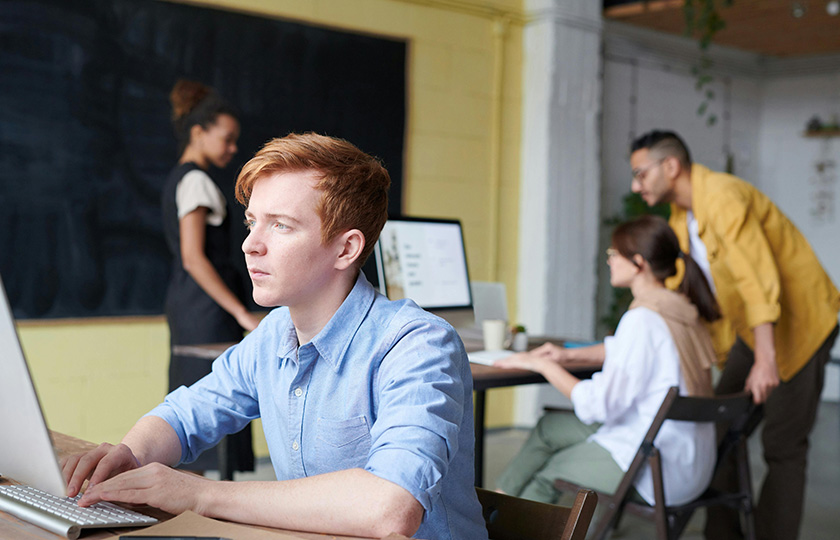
733, 409
512, 518
736, 410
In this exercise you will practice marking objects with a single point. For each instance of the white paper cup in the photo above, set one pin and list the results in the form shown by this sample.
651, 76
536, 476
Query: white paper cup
494, 334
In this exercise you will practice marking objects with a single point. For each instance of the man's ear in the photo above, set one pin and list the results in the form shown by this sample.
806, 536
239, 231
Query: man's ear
350, 243
671, 166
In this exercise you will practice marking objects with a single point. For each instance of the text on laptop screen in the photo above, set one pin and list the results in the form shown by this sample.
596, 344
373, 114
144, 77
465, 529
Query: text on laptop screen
424, 260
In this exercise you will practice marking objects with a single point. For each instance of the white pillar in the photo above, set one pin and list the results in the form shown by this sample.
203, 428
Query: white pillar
561, 176
561, 171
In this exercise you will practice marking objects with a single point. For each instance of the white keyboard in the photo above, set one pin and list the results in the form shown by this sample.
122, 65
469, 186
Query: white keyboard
62, 516
488, 357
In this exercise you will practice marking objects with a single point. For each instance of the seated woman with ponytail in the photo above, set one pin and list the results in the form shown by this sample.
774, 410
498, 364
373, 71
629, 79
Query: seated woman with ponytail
659, 343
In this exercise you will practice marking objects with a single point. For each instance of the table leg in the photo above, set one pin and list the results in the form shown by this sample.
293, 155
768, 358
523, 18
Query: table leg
223, 455
480, 396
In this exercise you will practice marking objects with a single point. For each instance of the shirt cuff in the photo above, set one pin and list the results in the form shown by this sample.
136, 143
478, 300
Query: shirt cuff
762, 313
411, 472
581, 397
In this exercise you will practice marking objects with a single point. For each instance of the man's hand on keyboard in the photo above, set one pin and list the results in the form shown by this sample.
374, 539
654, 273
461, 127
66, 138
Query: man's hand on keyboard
155, 485
97, 465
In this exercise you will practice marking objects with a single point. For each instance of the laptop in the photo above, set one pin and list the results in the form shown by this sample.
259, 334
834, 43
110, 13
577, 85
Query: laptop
27, 454
489, 302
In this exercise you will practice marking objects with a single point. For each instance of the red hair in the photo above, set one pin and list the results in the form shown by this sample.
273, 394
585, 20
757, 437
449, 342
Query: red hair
354, 185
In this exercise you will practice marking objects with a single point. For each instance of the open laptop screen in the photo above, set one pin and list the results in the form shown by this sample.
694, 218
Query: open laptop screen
26, 450
424, 259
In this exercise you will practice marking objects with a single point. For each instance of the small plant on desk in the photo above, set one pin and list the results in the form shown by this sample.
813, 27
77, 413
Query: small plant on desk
519, 338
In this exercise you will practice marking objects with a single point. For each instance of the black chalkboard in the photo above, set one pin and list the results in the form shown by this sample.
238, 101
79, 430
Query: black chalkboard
86, 142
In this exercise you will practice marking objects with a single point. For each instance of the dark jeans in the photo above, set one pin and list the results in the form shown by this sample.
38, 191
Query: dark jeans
789, 415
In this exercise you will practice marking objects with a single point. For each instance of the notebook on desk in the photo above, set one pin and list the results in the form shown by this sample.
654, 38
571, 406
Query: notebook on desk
27, 454
488, 358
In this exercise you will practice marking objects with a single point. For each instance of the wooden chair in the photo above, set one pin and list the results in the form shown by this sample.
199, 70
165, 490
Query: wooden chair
736, 411
512, 518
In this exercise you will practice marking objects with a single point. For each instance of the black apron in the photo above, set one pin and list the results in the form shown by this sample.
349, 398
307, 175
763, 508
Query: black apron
195, 318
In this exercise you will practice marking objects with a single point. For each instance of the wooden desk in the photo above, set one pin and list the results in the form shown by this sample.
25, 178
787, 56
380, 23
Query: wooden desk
13, 528
484, 378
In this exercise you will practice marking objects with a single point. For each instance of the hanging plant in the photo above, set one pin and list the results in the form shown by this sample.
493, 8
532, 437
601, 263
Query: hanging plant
703, 21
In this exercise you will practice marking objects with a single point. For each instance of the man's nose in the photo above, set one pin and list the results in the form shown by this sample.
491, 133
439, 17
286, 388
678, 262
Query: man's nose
252, 243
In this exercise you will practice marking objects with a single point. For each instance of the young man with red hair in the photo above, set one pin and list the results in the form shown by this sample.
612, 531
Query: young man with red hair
366, 404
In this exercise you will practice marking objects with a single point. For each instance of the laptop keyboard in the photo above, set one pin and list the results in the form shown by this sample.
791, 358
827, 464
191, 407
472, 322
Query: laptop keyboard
34, 505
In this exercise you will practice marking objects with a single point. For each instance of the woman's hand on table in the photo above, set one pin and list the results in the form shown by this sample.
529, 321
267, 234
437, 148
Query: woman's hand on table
551, 351
532, 361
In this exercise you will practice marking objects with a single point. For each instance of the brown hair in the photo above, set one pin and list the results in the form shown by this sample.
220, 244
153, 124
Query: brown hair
354, 185
653, 239
195, 104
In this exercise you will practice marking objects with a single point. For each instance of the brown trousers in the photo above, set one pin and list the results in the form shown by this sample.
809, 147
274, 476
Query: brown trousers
789, 415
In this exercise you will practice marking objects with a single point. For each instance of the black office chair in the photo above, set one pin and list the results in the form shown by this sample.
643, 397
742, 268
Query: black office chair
512, 518
736, 411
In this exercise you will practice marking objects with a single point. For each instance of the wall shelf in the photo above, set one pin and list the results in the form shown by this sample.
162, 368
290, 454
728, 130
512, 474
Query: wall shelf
823, 133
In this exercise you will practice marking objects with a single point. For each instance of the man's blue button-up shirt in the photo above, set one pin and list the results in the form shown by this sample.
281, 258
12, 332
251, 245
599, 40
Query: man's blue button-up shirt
385, 386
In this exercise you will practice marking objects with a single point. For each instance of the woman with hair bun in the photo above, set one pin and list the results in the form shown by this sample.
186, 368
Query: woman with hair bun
660, 342
203, 302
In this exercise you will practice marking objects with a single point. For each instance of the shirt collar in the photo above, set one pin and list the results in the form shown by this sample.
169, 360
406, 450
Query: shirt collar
332, 341
287, 341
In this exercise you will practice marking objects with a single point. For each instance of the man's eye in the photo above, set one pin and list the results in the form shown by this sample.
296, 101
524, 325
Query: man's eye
249, 224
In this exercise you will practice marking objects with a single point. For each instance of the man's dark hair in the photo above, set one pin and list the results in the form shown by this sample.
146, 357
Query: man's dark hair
664, 143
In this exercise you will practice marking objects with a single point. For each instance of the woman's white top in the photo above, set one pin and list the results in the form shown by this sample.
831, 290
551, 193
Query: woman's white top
641, 364
197, 189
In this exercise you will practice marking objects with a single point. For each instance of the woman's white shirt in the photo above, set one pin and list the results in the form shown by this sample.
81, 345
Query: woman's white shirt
640, 365
197, 189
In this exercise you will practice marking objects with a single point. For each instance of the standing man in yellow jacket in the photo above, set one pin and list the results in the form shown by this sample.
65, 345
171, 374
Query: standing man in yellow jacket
779, 313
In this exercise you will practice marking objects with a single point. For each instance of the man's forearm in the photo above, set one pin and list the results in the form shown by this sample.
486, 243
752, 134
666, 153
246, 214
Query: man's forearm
152, 440
764, 375
351, 502
765, 347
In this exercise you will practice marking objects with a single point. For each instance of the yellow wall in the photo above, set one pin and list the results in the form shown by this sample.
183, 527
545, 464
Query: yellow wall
96, 377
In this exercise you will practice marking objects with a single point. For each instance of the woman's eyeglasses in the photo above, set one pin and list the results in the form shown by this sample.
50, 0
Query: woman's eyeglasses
612, 252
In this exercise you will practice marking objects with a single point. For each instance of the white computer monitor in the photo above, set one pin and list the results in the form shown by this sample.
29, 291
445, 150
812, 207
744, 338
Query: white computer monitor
424, 259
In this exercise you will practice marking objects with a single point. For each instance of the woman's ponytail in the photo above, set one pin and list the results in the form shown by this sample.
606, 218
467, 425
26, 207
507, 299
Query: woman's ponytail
697, 289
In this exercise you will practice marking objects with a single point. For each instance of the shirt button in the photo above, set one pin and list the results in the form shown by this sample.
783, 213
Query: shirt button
295, 446
298, 392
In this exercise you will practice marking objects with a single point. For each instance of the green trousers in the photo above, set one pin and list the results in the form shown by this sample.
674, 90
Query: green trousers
557, 448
